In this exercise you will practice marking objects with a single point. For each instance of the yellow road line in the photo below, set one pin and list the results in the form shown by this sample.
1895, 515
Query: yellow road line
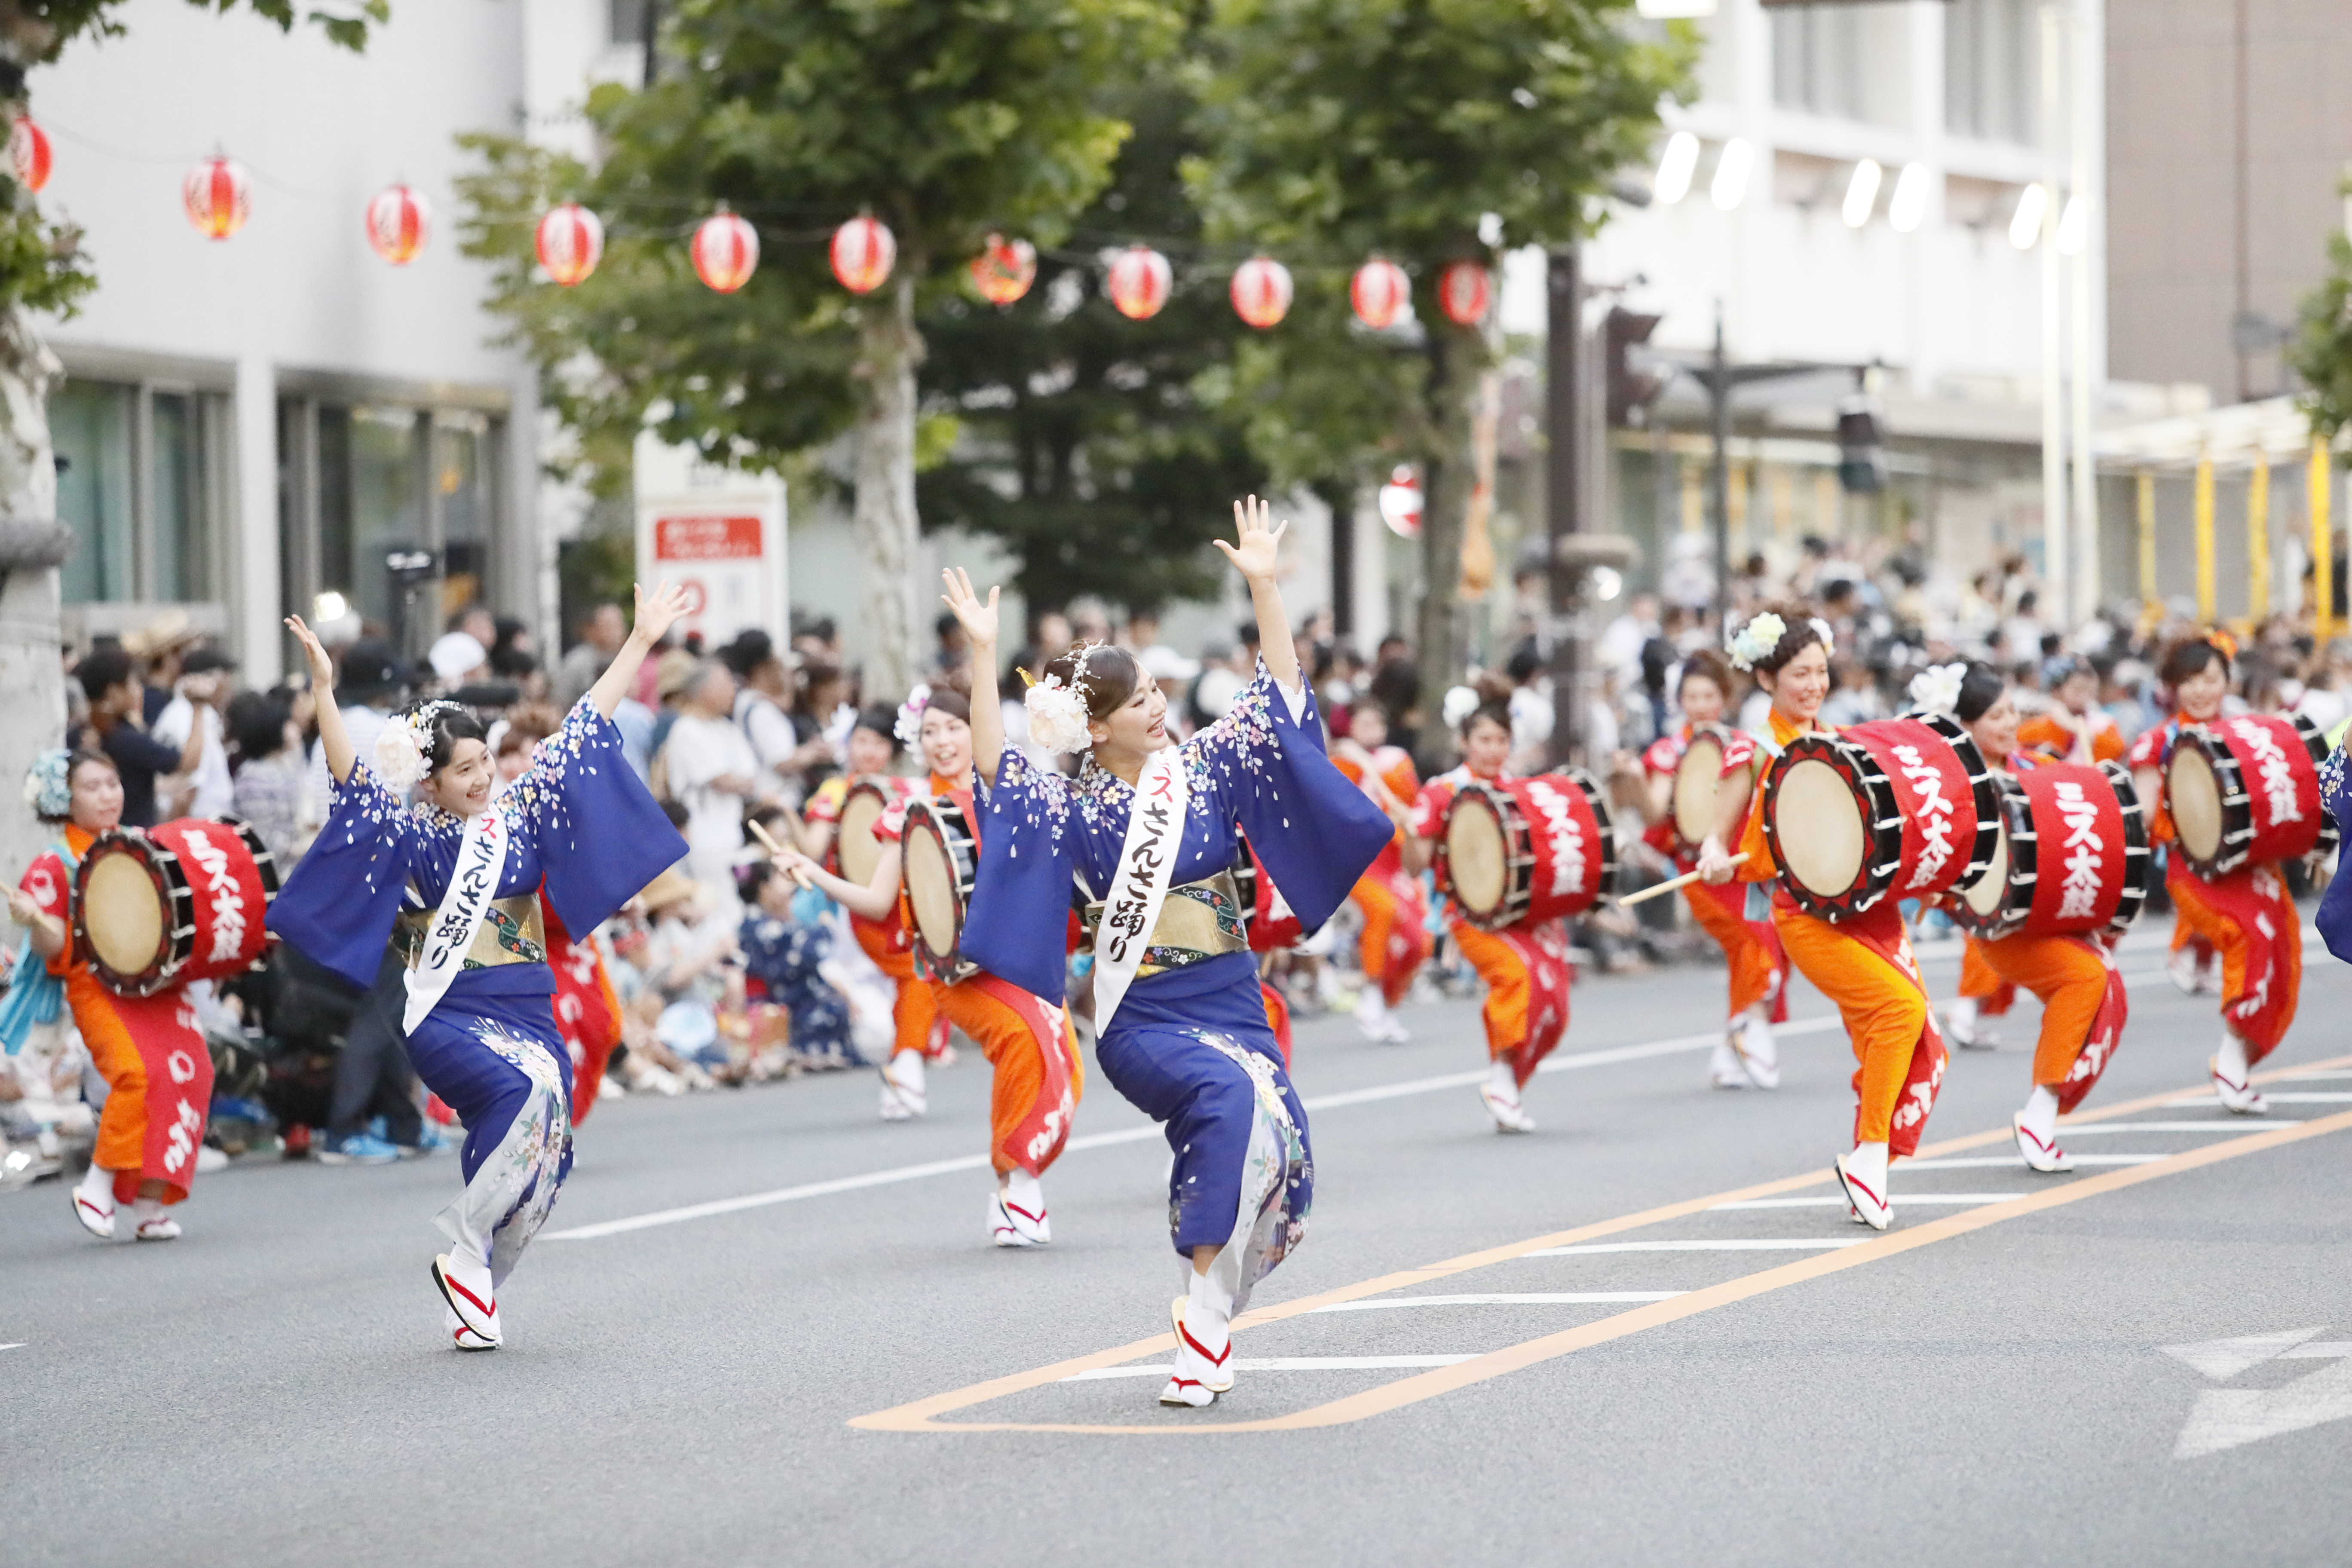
921, 1416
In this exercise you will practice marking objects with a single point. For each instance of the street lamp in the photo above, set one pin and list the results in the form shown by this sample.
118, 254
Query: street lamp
1909, 203
1861, 192
2025, 224
1676, 166
1731, 166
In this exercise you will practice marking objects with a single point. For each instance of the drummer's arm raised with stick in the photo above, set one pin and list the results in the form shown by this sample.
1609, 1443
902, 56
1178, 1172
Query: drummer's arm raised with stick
874, 900
1715, 864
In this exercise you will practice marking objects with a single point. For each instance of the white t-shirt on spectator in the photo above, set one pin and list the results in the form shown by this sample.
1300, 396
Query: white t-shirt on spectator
215, 792
699, 751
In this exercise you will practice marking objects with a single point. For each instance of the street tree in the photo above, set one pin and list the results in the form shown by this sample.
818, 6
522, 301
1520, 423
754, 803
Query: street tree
2321, 353
43, 271
1429, 132
947, 119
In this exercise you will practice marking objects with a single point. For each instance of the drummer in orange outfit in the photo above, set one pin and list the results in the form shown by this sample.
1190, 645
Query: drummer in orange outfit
1865, 964
1396, 940
149, 1048
2262, 969
1759, 970
2084, 1003
1038, 1073
1525, 966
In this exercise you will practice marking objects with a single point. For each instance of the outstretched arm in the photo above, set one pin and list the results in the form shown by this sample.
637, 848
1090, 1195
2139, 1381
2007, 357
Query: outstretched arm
332, 736
655, 618
979, 622
1257, 552
874, 900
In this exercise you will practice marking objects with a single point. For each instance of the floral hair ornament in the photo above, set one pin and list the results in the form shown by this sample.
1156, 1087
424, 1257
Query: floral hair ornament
1057, 715
909, 727
1828, 638
1753, 641
1461, 702
48, 787
404, 747
2222, 643
1937, 689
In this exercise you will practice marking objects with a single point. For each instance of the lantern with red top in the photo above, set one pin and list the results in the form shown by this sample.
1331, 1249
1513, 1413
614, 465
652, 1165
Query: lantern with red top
1464, 292
1261, 292
1378, 292
725, 251
28, 150
570, 242
1401, 502
863, 252
1003, 270
1138, 282
399, 221
219, 195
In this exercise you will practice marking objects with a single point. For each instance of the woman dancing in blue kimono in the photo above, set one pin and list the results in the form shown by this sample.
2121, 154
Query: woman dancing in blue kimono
1147, 832
458, 876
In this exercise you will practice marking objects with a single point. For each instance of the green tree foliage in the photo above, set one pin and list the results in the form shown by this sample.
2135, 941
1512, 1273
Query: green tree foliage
2322, 351
1087, 444
1336, 129
946, 119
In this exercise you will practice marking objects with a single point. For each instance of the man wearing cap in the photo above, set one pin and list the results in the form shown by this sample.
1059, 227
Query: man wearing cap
368, 684
206, 669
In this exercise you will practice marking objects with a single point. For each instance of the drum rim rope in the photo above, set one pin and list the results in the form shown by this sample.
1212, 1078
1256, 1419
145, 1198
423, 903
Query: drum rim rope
1886, 815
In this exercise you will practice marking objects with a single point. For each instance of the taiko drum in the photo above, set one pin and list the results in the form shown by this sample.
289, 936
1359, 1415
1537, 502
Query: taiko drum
1901, 808
2071, 857
1527, 851
2244, 790
163, 906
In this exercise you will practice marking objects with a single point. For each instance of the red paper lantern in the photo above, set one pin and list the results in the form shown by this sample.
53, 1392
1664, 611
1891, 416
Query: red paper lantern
399, 222
219, 195
1378, 292
1463, 290
1401, 502
571, 241
29, 149
1261, 292
726, 249
1003, 270
862, 251
1138, 282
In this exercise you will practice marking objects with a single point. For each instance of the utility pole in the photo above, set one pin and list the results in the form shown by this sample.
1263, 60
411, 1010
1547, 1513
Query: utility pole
1719, 480
1564, 492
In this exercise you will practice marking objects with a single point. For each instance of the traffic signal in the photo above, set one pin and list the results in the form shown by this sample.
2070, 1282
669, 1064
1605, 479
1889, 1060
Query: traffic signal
1628, 389
1862, 459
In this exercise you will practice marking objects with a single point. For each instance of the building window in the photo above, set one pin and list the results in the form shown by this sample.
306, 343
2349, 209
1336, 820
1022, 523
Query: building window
137, 482
1817, 59
1990, 56
625, 21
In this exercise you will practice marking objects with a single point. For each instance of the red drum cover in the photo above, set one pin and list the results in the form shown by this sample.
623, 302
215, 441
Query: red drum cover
1927, 810
1553, 854
210, 881
2266, 771
2082, 850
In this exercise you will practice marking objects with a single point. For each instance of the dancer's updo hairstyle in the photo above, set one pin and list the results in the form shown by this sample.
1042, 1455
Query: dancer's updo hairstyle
1798, 633
2188, 658
1706, 664
441, 724
1981, 688
1105, 674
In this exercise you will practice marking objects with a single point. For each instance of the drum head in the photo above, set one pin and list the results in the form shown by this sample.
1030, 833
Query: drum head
124, 913
1819, 825
858, 846
1474, 854
932, 892
2195, 798
1695, 781
1984, 895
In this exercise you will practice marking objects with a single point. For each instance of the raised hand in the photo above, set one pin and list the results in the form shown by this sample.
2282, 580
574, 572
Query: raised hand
978, 619
1257, 549
322, 669
658, 614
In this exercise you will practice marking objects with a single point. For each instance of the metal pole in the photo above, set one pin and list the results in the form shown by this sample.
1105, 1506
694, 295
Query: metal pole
2204, 505
1719, 476
2258, 541
2053, 412
1564, 490
2085, 518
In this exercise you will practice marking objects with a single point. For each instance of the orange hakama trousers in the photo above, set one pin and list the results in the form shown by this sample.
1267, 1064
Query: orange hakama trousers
1038, 1075
1864, 965
1527, 973
2249, 919
1396, 940
914, 1015
2083, 1006
1759, 969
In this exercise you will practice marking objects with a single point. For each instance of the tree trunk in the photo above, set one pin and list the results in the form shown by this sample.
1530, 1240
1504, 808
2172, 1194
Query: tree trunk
889, 348
1456, 357
32, 681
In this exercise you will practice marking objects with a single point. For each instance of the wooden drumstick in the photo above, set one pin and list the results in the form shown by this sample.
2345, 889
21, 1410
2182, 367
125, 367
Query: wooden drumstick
1685, 880
760, 831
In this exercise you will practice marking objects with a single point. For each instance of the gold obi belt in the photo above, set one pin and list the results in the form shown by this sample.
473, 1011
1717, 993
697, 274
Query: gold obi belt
1197, 921
511, 933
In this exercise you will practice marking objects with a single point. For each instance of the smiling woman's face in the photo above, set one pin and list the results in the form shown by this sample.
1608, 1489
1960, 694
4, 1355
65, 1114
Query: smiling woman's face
1135, 728
463, 786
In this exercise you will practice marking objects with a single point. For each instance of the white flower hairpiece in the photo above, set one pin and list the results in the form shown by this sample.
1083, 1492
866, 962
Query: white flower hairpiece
404, 747
49, 789
1828, 638
1937, 689
1755, 640
837, 731
909, 727
1057, 716
1461, 702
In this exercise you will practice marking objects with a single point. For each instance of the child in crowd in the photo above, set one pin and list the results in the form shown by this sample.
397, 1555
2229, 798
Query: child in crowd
783, 960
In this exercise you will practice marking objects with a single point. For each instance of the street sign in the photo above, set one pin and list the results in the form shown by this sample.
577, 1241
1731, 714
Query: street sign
719, 534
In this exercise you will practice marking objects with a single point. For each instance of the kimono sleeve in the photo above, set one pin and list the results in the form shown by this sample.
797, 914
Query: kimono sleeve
338, 905
1021, 894
1314, 831
600, 835
2334, 918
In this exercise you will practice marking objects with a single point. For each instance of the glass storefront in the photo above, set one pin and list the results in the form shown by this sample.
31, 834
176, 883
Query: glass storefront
138, 482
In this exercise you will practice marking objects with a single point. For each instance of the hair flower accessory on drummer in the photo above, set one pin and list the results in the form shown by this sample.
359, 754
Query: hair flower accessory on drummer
909, 727
1461, 702
1828, 638
1057, 716
1937, 689
47, 787
1755, 640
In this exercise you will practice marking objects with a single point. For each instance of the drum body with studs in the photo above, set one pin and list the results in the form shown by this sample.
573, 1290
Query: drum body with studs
1698, 780
162, 906
1526, 851
2244, 790
2070, 859
939, 860
1902, 808
856, 851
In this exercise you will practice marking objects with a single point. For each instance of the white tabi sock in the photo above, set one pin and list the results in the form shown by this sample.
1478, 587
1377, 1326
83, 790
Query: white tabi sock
2229, 1061
1960, 1017
146, 1211
1757, 1041
2040, 1116
1023, 1189
1205, 1304
98, 1186
1868, 1161
907, 1071
1503, 1082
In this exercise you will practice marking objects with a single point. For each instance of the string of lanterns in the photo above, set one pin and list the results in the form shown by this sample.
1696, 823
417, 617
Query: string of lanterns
217, 194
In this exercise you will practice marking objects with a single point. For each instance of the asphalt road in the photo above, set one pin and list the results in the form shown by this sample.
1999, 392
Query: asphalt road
1991, 1382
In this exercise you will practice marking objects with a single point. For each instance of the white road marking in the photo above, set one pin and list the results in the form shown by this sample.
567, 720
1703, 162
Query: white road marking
1742, 1246
1541, 1298
2321, 1097
1834, 1201
20, 1344
2222, 1360
2318, 1350
2012, 1163
2237, 1127
1286, 1364
2312, 1077
2229, 1418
